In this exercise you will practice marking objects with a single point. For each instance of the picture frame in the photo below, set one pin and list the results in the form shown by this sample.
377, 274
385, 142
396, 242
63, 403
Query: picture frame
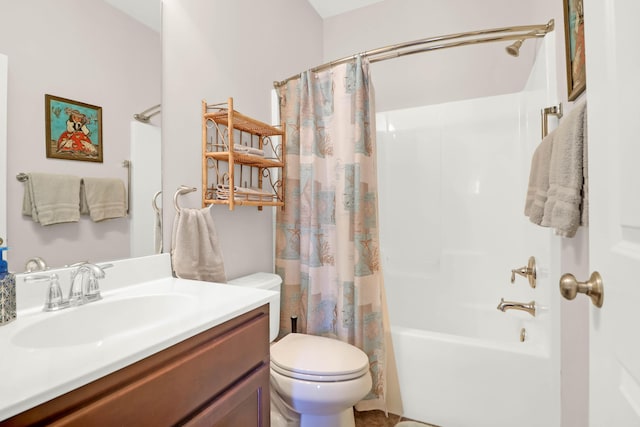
73, 129
575, 48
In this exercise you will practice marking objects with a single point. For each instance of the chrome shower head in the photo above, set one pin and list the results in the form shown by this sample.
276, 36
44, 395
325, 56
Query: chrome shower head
514, 48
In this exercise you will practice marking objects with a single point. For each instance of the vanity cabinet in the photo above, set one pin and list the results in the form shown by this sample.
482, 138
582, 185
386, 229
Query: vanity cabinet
242, 159
219, 377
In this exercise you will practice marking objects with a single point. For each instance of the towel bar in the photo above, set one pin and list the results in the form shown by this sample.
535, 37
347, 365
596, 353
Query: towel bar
554, 110
127, 164
23, 177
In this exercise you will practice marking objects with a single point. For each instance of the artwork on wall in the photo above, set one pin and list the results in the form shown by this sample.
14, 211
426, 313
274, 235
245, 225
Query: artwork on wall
574, 46
74, 129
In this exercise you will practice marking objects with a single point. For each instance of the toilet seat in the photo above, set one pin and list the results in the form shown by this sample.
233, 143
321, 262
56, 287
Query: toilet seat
314, 358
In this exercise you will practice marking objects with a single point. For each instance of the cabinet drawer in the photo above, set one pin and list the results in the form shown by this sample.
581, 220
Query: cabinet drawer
166, 387
246, 404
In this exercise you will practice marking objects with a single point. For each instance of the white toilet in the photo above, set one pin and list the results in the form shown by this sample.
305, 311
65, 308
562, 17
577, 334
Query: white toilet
315, 381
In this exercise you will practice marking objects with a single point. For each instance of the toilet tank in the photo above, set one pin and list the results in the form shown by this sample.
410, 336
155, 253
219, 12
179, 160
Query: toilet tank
271, 282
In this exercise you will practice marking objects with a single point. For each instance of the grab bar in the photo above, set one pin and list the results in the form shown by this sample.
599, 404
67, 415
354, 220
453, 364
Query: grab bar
182, 190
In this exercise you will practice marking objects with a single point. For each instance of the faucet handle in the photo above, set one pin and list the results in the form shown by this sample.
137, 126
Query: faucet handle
54, 299
93, 289
528, 271
96, 271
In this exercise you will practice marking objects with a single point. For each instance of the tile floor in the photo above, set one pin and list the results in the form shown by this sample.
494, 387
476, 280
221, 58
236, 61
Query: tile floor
378, 419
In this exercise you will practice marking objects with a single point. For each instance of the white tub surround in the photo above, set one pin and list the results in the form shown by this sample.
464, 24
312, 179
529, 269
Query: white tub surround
448, 255
141, 293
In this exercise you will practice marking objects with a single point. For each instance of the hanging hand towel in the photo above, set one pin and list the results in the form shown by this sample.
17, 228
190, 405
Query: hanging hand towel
103, 198
566, 197
195, 251
52, 199
539, 180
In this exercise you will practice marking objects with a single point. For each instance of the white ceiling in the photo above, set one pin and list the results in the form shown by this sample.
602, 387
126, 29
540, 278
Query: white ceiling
327, 8
149, 11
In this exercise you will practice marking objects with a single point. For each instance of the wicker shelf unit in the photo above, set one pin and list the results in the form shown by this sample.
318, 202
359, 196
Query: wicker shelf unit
242, 159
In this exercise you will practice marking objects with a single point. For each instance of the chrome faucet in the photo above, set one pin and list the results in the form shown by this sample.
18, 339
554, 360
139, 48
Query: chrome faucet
529, 307
84, 286
84, 283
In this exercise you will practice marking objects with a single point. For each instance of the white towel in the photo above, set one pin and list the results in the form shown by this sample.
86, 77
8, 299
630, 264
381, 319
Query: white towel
195, 251
103, 198
565, 209
242, 193
245, 149
539, 180
52, 199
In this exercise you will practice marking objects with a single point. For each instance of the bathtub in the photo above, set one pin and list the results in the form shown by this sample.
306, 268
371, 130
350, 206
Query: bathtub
464, 381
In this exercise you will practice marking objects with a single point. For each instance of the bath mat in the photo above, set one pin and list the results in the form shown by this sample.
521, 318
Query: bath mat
410, 424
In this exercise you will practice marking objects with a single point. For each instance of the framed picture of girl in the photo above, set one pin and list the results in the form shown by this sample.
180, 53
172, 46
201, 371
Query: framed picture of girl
574, 46
74, 129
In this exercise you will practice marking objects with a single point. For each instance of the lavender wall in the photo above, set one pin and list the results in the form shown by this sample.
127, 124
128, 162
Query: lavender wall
215, 49
87, 51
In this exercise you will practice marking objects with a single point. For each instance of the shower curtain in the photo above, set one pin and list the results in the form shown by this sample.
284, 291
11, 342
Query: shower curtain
327, 245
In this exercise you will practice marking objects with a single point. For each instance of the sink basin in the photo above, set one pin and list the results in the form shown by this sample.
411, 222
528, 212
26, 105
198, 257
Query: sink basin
95, 322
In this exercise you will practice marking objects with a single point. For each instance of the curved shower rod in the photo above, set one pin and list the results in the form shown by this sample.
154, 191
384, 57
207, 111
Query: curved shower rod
518, 34
145, 116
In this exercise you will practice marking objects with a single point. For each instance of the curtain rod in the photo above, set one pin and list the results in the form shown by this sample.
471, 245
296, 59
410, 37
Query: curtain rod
145, 116
402, 49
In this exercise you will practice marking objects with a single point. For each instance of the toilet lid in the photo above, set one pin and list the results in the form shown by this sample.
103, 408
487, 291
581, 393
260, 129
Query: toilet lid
317, 358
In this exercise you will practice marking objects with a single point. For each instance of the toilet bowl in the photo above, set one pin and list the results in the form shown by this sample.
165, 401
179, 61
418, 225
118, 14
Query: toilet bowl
315, 381
319, 378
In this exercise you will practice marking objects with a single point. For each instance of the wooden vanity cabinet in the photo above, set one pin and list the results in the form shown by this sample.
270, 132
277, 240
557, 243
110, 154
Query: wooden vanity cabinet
219, 377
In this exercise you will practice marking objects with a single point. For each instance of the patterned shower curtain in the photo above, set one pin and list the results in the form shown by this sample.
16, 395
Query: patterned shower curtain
327, 245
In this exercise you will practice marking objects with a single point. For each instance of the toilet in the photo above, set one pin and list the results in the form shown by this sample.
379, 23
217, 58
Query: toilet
315, 381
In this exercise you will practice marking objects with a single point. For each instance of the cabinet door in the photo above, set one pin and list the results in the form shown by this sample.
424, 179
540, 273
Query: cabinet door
247, 404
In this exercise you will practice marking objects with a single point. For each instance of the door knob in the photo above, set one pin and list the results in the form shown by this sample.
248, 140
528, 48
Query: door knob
528, 271
593, 288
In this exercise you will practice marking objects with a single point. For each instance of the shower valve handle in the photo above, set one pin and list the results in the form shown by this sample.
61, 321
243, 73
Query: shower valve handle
528, 271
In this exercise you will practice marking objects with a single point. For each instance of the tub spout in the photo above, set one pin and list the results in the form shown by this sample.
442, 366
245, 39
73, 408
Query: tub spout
529, 307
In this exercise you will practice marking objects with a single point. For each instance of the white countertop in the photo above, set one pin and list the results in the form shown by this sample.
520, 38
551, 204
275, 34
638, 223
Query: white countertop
33, 374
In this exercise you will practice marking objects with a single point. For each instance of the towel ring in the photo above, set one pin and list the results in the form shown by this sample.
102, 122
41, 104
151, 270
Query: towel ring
182, 190
154, 201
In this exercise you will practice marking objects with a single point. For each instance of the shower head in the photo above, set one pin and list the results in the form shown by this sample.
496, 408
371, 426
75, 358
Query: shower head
514, 48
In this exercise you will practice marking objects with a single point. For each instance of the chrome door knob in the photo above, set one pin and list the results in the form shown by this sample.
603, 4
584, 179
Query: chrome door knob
593, 288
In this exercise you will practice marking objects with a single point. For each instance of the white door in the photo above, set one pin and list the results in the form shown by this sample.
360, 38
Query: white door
613, 97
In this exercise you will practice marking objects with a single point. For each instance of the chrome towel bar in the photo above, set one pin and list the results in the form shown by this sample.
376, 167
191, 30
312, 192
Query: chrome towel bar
554, 110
